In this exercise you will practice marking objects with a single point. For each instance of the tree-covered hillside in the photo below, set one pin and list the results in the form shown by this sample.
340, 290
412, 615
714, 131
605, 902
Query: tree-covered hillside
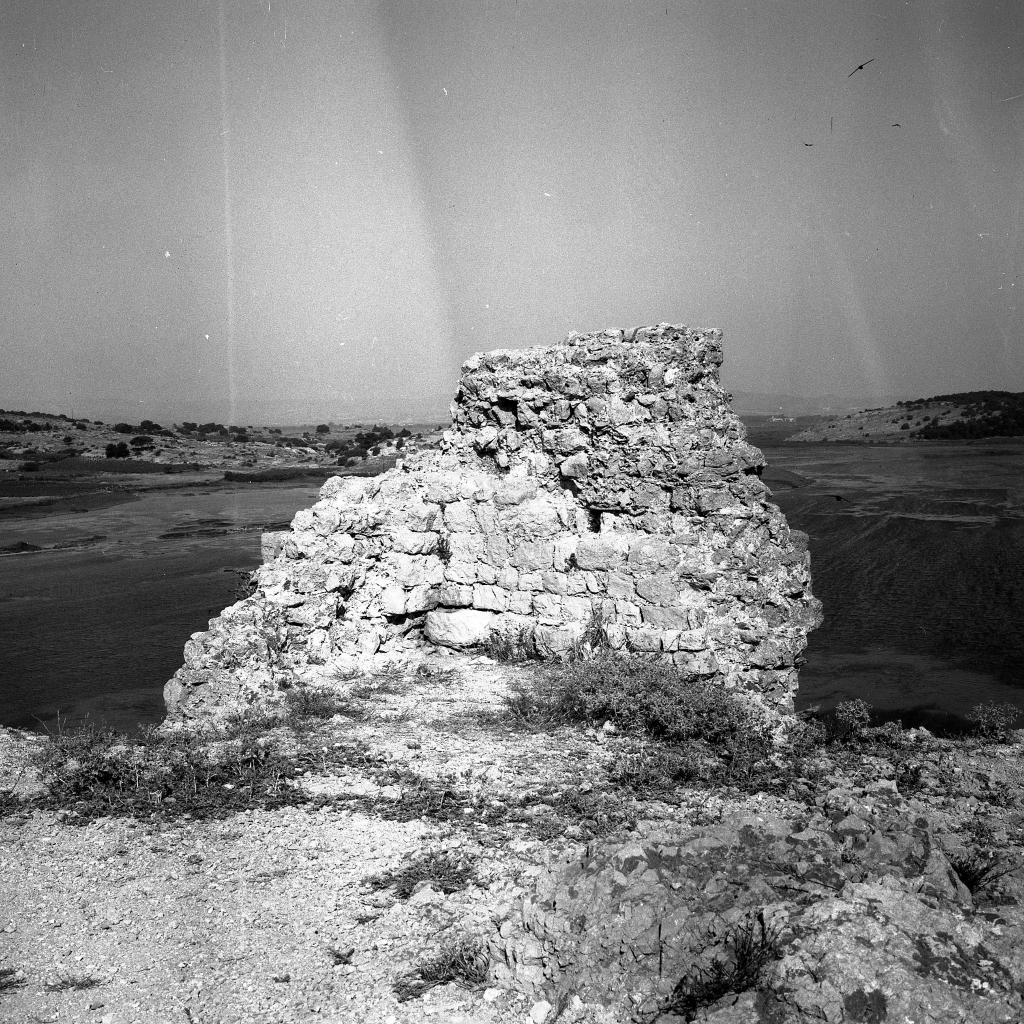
982, 414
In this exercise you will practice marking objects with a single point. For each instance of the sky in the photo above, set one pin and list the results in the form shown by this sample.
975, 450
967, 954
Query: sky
265, 211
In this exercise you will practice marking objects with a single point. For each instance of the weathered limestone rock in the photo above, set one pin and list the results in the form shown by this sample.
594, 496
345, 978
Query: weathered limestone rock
866, 919
600, 484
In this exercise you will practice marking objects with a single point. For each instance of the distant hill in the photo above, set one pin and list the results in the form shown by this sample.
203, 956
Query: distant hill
769, 403
961, 416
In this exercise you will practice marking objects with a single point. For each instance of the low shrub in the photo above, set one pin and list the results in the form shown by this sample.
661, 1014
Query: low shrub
850, 718
994, 721
303, 703
747, 761
441, 869
637, 696
11, 978
96, 772
536, 703
72, 983
463, 960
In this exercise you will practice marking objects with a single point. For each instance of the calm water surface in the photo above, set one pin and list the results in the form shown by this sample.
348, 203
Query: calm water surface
99, 630
917, 554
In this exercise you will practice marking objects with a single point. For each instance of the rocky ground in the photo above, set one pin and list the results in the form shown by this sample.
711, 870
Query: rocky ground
868, 880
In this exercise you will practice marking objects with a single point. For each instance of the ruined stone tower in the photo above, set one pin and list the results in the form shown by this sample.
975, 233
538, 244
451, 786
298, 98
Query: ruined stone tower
601, 486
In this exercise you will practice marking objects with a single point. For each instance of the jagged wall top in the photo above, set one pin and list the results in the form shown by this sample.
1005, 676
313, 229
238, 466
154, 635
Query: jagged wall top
620, 418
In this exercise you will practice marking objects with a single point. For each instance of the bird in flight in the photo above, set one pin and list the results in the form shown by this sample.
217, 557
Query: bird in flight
808, 143
860, 67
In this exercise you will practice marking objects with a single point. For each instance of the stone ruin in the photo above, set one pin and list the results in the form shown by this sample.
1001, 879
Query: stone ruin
597, 489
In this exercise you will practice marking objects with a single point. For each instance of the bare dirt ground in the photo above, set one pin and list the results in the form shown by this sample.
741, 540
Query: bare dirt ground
268, 915
279, 915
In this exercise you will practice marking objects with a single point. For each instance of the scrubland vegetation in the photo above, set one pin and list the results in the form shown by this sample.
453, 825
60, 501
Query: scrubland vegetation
148, 440
676, 732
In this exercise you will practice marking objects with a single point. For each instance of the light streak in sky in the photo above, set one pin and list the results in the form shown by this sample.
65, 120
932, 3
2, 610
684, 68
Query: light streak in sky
856, 324
229, 242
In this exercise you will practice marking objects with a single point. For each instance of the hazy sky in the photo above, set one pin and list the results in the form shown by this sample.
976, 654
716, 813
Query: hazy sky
262, 209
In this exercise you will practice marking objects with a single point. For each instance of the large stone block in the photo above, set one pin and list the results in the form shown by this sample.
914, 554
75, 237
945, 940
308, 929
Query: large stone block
599, 552
459, 628
533, 555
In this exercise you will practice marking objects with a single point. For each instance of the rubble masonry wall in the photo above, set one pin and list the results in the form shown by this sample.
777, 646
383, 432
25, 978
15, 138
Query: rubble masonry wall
601, 486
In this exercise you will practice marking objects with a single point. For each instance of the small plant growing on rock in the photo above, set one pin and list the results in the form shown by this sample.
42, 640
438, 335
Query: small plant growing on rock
749, 948
463, 960
247, 584
993, 721
591, 641
909, 776
444, 548
979, 870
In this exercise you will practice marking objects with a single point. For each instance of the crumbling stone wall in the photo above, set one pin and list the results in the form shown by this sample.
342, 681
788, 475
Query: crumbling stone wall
602, 486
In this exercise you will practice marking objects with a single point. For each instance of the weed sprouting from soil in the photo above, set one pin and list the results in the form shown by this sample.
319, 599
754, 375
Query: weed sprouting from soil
341, 957
96, 772
73, 983
462, 960
10, 979
378, 685
303, 703
511, 645
439, 869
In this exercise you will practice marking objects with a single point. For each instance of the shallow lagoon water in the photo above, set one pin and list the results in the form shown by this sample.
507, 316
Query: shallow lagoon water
98, 630
917, 554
